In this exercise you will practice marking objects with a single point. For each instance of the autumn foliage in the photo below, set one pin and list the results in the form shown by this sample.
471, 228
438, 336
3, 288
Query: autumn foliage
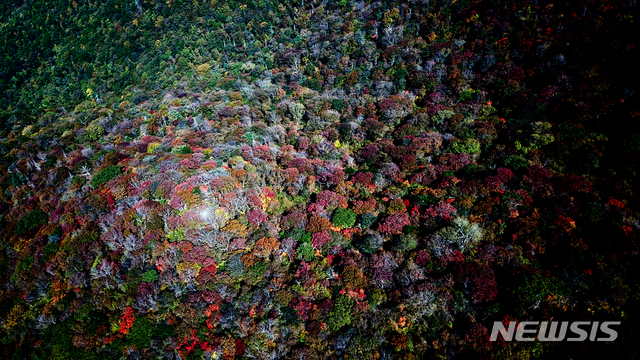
316, 179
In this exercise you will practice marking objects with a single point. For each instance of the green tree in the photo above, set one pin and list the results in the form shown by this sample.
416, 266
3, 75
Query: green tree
106, 175
33, 220
341, 315
344, 218
140, 333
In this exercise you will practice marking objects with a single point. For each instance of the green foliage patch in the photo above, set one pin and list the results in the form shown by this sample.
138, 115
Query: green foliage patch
141, 332
341, 315
105, 175
344, 218
469, 146
33, 220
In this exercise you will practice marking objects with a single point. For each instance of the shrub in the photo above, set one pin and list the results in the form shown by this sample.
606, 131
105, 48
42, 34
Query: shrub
105, 175
344, 218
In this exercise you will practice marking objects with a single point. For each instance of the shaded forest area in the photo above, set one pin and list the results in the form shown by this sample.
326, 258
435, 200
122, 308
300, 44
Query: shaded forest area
316, 179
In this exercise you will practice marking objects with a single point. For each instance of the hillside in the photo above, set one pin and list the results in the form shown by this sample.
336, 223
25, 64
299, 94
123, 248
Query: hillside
310, 180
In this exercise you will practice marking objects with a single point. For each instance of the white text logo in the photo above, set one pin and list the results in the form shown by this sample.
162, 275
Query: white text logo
555, 331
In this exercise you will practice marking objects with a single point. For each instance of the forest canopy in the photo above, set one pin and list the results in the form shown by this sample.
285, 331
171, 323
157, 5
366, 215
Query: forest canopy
316, 179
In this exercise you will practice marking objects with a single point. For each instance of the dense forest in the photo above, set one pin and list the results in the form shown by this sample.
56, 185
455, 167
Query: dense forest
317, 179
